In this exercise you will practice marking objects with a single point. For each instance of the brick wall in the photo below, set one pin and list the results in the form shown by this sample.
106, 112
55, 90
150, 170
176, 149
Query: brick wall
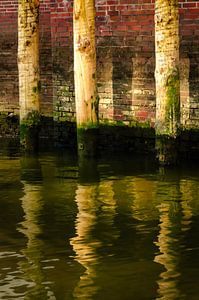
8, 62
189, 37
125, 59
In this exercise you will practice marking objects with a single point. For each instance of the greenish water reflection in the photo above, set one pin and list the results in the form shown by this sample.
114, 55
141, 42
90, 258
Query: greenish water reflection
108, 229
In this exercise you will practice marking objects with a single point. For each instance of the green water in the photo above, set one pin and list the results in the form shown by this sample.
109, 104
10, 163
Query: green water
117, 228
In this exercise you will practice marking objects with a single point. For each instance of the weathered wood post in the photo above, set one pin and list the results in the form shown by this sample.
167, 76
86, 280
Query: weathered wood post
29, 74
86, 98
167, 80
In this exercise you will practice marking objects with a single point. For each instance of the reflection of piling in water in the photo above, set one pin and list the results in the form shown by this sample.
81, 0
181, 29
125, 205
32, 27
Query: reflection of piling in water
96, 207
83, 244
88, 171
31, 228
175, 218
168, 257
31, 204
168, 193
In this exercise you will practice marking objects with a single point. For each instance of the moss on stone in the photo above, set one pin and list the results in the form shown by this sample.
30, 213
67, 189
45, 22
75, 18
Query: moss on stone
87, 126
138, 124
167, 148
32, 119
3, 118
23, 132
131, 124
29, 126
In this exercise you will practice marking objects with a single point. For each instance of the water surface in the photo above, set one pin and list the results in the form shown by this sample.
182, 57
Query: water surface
116, 228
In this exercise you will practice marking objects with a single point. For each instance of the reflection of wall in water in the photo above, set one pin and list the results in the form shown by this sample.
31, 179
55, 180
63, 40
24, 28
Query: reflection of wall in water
145, 201
190, 196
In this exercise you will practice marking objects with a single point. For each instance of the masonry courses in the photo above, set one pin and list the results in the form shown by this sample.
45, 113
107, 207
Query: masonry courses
125, 62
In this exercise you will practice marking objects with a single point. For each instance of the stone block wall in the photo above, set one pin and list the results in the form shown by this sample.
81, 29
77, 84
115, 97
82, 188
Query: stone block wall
125, 60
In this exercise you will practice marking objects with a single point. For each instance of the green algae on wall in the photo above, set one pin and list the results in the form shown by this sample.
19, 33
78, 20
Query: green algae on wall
173, 103
29, 130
